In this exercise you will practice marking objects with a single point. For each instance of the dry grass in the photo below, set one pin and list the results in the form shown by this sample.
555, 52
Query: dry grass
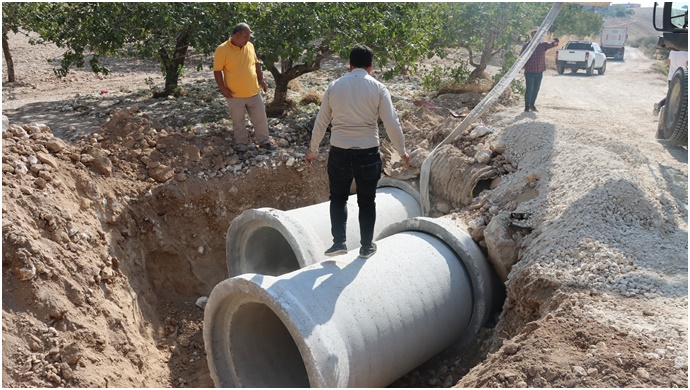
310, 97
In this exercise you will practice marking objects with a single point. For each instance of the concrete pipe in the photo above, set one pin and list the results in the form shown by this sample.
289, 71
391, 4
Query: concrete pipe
273, 242
348, 322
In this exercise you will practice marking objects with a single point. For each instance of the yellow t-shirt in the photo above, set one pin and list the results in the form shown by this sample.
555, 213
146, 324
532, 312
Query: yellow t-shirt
239, 68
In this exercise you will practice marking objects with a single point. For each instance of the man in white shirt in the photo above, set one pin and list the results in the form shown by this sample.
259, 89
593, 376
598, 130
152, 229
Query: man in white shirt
353, 104
676, 59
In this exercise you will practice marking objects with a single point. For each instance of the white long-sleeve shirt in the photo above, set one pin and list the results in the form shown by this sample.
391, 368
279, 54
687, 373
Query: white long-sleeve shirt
353, 105
676, 59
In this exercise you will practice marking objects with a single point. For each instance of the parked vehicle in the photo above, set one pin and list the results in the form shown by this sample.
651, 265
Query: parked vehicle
673, 117
613, 42
577, 55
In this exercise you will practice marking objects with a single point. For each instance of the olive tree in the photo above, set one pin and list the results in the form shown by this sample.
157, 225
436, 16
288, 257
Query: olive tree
487, 30
15, 16
162, 31
293, 39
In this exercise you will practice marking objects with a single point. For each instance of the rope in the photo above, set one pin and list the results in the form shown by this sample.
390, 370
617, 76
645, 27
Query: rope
479, 109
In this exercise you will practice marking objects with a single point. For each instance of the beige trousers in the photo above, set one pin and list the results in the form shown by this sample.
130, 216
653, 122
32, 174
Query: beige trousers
256, 109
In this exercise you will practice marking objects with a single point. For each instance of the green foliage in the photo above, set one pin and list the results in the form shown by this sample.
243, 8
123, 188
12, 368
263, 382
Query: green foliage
159, 31
517, 85
486, 29
293, 38
577, 20
489, 29
16, 16
445, 77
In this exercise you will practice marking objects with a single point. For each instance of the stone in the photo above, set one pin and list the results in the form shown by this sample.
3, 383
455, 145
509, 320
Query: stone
478, 132
483, 156
201, 302
162, 173
499, 147
88, 188
579, 371
192, 153
501, 248
101, 162
46, 159
443, 207
41, 183
642, 373
26, 273
510, 348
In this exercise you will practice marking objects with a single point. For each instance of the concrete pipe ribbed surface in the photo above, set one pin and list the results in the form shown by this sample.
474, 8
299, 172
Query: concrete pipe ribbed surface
273, 242
348, 322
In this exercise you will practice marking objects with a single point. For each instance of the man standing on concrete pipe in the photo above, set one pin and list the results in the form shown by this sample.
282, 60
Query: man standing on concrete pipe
353, 104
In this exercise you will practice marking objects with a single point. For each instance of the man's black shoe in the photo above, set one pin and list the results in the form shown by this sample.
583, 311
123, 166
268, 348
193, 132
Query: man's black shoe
268, 146
533, 109
366, 252
526, 109
336, 249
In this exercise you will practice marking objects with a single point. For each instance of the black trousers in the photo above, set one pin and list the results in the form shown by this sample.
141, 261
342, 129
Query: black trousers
364, 167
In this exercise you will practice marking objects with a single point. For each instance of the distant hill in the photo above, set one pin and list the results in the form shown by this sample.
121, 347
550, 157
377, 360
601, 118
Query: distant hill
639, 25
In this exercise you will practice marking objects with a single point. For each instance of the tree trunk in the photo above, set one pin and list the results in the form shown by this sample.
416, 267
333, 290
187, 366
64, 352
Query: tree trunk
281, 103
487, 53
8, 59
478, 72
172, 67
280, 94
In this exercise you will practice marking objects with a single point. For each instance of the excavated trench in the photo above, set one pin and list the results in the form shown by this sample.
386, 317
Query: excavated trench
183, 264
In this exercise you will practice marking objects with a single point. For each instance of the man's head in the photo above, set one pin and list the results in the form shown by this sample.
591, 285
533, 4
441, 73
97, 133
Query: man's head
241, 34
533, 31
361, 57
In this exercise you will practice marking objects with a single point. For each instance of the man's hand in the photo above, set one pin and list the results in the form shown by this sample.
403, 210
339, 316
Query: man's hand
311, 156
263, 85
406, 160
226, 92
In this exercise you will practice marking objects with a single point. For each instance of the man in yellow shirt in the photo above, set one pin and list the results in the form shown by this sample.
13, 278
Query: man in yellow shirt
238, 74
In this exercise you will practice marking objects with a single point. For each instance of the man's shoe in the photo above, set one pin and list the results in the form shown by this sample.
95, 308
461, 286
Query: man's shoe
366, 252
533, 109
526, 109
336, 249
655, 112
268, 146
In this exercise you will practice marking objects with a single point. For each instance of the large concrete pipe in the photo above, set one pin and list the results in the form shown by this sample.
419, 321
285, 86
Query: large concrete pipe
350, 322
273, 242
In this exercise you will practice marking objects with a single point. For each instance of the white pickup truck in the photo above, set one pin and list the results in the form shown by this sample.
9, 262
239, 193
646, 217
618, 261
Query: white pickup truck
577, 55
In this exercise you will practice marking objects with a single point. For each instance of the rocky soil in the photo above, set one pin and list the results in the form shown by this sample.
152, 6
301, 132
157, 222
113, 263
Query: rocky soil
115, 207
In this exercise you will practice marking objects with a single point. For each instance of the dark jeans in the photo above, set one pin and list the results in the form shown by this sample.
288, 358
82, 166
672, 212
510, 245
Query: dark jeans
532, 84
364, 166
662, 102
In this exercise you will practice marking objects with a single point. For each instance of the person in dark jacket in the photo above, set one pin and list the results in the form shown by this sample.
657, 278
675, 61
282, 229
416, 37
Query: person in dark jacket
534, 70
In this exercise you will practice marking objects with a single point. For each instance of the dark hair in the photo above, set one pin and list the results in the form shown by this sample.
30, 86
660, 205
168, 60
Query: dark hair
240, 27
361, 56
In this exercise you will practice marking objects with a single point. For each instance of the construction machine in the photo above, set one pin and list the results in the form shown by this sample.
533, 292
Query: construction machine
673, 117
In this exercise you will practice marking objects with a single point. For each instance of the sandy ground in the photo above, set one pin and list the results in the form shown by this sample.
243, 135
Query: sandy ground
103, 262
